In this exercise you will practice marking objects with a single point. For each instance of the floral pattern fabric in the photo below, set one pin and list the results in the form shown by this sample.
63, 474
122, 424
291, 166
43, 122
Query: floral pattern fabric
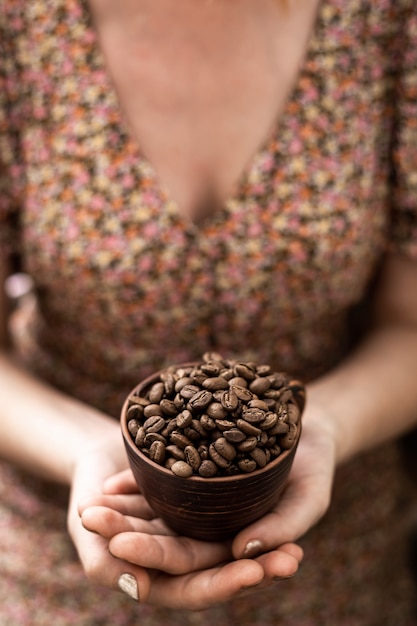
126, 284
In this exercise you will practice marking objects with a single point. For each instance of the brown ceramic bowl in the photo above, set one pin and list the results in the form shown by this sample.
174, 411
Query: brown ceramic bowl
210, 509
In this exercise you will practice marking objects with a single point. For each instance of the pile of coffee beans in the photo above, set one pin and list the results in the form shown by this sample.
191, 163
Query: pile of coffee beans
216, 417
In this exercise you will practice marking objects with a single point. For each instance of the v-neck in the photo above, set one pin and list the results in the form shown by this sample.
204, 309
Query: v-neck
241, 183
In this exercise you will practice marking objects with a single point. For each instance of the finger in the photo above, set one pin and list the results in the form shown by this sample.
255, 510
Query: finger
202, 589
302, 504
107, 523
174, 555
281, 563
123, 482
134, 505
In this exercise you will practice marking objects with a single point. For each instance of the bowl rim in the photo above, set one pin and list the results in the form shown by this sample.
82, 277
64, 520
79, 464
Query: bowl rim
216, 479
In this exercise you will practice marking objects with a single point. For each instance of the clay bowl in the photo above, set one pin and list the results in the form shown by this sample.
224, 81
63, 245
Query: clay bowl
209, 509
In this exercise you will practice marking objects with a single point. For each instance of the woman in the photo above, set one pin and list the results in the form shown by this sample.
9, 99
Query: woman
185, 176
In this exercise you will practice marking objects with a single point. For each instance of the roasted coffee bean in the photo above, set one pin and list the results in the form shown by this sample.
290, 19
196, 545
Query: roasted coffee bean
234, 435
157, 452
212, 368
216, 411
169, 463
179, 439
179, 402
259, 456
168, 407
133, 427
184, 419
293, 412
169, 381
224, 424
154, 424
259, 386
253, 416
192, 457
207, 422
263, 370
203, 451
140, 437
181, 383
199, 428
207, 469
135, 411
269, 420
215, 384
150, 438
249, 429
152, 409
280, 428
258, 404
285, 395
188, 391
192, 434
229, 400
225, 448
156, 393
134, 399
248, 444
175, 452
287, 441
242, 393
245, 371
278, 380
238, 381
218, 459
201, 400
212, 356
182, 469
247, 465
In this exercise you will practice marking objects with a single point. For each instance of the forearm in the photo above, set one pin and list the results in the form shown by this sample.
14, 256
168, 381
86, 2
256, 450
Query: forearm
372, 396
44, 430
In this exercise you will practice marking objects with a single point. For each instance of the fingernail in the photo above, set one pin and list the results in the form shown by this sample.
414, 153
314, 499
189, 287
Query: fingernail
253, 548
128, 584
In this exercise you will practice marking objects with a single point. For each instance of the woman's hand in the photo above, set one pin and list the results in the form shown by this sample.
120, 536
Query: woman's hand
180, 572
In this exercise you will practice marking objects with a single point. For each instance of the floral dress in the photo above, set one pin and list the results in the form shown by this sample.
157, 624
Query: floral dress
125, 284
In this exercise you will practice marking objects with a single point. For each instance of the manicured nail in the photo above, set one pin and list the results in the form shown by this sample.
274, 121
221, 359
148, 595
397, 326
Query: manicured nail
253, 548
128, 584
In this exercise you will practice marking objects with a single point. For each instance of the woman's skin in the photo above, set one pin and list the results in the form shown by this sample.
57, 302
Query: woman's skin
348, 411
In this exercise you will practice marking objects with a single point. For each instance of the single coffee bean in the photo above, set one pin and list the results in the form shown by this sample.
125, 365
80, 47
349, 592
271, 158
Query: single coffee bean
234, 435
259, 386
293, 412
184, 419
225, 448
224, 424
133, 427
207, 422
152, 409
188, 391
135, 411
259, 456
269, 421
156, 393
140, 437
230, 400
238, 381
181, 383
248, 444
242, 393
182, 469
280, 428
134, 399
263, 370
207, 469
201, 400
216, 411
157, 452
245, 371
247, 465
179, 439
287, 441
175, 452
249, 429
169, 381
218, 459
150, 438
285, 395
258, 404
212, 356
192, 457
168, 407
212, 368
215, 384
253, 416
154, 424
